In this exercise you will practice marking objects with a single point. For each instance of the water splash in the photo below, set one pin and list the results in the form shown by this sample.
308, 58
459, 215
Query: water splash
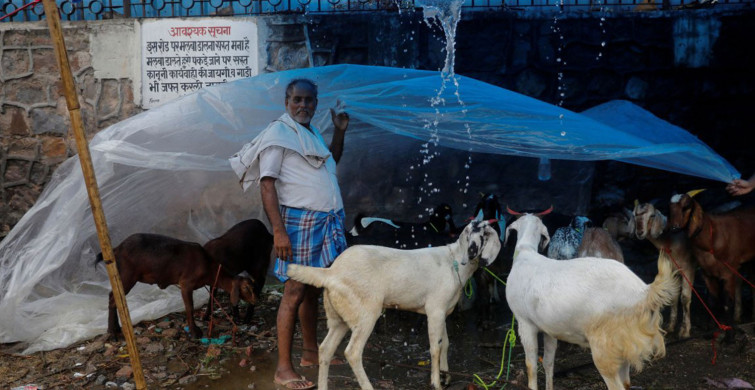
445, 14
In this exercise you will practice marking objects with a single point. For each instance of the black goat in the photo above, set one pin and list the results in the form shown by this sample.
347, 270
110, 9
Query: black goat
243, 248
438, 230
488, 292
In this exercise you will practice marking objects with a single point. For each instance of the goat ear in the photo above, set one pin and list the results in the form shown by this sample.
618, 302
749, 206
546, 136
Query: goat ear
655, 228
235, 291
545, 237
506, 236
695, 217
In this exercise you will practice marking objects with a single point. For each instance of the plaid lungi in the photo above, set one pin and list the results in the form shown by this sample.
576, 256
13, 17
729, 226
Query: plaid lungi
317, 238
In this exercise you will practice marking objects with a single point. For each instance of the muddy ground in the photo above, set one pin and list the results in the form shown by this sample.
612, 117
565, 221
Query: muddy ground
396, 357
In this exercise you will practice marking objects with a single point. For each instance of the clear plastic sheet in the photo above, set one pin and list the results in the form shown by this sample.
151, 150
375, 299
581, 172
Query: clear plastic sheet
408, 148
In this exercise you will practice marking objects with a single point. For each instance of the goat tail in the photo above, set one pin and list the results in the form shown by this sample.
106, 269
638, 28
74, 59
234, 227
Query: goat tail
312, 276
665, 286
635, 335
660, 293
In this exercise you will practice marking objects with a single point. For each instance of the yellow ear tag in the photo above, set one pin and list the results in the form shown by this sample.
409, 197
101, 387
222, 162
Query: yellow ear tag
695, 192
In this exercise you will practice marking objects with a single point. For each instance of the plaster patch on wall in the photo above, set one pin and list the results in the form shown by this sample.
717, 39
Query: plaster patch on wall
107, 62
694, 38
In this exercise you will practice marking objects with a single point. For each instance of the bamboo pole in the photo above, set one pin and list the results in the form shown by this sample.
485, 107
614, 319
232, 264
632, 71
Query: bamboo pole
85, 158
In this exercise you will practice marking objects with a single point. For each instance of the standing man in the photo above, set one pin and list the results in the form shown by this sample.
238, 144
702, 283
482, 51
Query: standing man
296, 174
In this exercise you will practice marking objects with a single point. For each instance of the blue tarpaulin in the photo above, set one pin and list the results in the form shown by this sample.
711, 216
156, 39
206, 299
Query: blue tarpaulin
166, 171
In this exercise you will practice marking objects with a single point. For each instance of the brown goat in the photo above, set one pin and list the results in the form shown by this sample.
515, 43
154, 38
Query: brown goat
651, 225
246, 248
620, 225
597, 242
164, 261
729, 237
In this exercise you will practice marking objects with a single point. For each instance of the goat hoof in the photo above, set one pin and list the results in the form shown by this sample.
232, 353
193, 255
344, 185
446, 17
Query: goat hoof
445, 379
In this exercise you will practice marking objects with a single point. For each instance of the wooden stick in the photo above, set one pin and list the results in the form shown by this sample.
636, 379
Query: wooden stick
85, 158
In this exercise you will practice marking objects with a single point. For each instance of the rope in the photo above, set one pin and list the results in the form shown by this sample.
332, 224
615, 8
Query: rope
215, 300
733, 270
212, 301
469, 290
720, 326
494, 275
725, 262
19, 10
509, 338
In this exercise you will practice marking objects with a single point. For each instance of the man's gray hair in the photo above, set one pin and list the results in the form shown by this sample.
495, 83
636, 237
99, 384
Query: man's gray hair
294, 82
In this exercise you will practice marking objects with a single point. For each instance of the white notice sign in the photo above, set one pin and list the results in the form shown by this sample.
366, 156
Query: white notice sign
182, 56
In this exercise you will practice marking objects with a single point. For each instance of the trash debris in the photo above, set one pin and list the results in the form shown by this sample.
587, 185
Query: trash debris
728, 383
219, 340
25, 387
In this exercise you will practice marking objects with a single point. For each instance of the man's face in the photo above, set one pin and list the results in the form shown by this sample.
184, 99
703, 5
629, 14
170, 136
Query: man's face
301, 103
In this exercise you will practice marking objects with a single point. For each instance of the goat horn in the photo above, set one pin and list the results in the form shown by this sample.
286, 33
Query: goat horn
695, 192
512, 212
546, 212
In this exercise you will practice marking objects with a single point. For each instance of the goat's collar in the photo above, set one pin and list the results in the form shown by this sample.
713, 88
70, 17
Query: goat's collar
456, 270
456, 266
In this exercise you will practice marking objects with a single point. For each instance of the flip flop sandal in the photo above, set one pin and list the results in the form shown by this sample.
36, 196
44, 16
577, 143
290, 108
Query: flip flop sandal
291, 383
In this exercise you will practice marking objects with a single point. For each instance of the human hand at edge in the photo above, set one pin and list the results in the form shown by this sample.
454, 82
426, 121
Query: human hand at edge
282, 246
739, 187
339, 116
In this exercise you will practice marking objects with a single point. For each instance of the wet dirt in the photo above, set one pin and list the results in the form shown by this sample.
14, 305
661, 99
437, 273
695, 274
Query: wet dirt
396, 357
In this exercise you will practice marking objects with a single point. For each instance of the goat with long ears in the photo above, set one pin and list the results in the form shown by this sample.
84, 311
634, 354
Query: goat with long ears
586, 301
728, 237
652, 225
364, 279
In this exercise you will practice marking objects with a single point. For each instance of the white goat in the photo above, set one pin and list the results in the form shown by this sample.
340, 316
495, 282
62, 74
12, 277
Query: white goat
586, 301
364, 279
651, 225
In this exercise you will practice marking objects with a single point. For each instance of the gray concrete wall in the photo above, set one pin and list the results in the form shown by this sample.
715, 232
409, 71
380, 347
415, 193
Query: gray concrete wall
692, 67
